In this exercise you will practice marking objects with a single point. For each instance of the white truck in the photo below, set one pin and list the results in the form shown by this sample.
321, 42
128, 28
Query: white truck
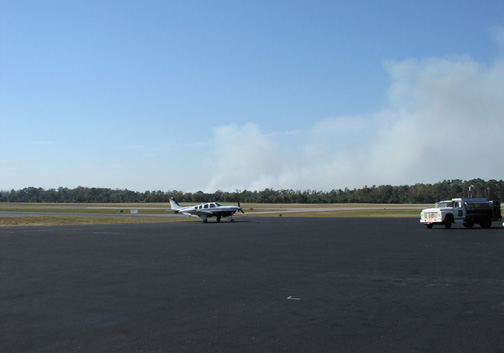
468, 211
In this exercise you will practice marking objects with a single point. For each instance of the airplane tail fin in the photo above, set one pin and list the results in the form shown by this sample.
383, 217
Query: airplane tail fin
174, 204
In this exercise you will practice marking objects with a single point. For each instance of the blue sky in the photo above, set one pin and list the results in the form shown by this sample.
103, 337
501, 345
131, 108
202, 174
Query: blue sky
233, 95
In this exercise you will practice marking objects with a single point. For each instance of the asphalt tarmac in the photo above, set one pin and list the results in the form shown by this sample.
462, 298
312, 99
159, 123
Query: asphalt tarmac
255, 285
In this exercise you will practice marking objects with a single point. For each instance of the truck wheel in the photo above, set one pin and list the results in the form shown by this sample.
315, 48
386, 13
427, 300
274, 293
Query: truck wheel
429, 226
486, 223
448, 221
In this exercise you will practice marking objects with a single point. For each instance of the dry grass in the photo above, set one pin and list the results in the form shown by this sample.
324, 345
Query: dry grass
77, 220
94, 208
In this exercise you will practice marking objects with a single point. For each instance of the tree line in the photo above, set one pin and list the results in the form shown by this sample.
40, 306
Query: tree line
418, 193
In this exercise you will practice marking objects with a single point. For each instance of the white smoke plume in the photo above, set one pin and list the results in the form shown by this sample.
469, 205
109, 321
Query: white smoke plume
444, 120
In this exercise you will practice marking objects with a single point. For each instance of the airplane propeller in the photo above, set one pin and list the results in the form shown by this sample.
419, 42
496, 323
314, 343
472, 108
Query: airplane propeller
240, 206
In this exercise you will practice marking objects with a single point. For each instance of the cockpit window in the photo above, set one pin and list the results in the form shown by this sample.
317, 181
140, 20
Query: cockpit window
212, 205
218, 204
205, 206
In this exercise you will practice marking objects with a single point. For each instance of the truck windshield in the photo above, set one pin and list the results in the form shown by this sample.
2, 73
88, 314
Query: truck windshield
445, 204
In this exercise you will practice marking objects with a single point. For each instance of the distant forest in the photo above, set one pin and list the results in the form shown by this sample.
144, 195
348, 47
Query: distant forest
418, 193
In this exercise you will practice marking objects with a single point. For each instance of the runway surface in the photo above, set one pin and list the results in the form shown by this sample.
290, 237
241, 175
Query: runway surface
52, 214
256, 285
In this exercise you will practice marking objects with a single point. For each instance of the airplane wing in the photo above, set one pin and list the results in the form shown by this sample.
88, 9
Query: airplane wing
196, 212
199, 212
189, 214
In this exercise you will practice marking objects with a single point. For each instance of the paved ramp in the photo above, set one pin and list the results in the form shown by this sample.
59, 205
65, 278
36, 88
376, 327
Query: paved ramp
256, 285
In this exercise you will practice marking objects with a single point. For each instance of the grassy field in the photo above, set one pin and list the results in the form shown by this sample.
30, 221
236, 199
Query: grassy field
70, 214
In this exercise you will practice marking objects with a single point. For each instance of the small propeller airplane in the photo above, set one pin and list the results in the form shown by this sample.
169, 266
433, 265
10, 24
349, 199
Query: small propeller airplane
206, 210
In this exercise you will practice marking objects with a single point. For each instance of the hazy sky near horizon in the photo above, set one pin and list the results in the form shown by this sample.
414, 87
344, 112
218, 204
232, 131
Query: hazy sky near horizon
234, 95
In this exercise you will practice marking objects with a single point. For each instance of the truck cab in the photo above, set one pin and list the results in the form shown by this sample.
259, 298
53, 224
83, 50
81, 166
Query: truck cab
441, 214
